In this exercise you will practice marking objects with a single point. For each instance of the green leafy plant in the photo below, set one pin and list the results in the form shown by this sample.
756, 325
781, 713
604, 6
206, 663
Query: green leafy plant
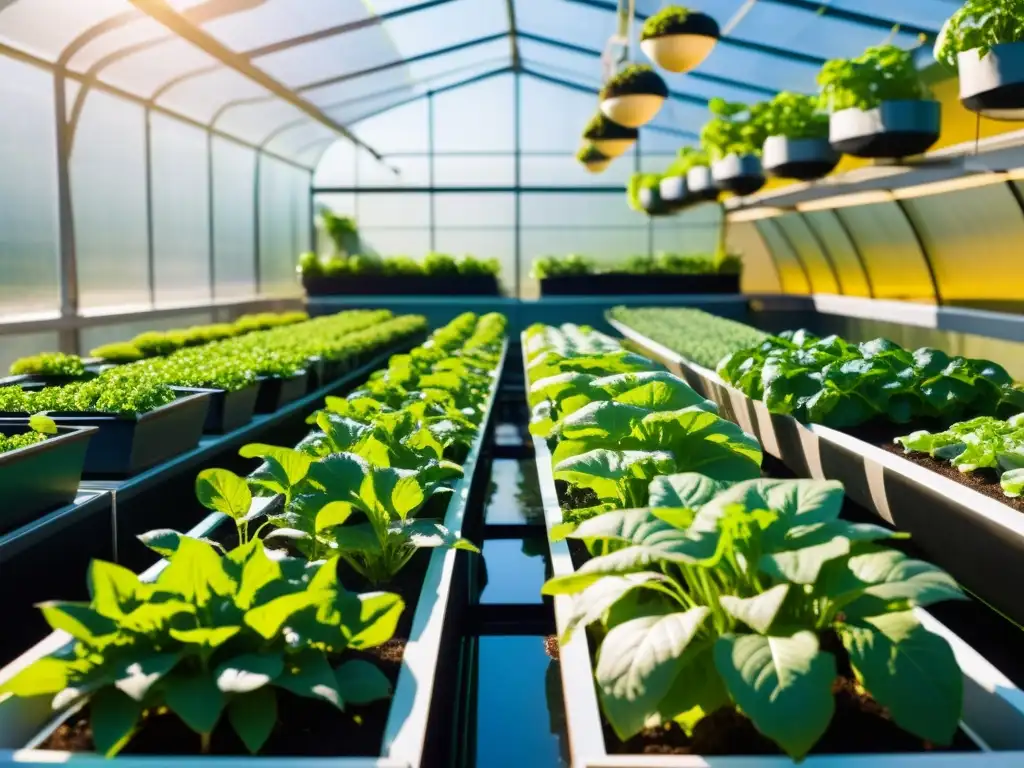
402, 265
979, 25
157, 343
559, 266
729, 598
119, 352
687, 159
881, 73
638, 182
670, 20
981, 443
795, 116
440, 265
634, 79
589, 154
97, 395
310, 265
599, 128
698, 336
215, 638
49, 364
734, 129
342, 230
471, 265
833, 382
40, 427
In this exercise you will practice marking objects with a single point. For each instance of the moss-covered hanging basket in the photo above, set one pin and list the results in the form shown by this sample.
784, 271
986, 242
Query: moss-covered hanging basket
592, 159
634, 96
678, 39
608, 137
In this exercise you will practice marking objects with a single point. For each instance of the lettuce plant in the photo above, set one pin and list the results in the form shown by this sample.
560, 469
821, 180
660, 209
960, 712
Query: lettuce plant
881, 73
795, 116
729, 597
686, 160
833, 382
40, 427
49, 364
734, 129
560, 266
981, 443
215, 638
979, 25
96, 396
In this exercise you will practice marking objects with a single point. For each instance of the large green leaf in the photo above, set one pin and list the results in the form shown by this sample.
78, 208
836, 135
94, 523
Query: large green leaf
685, 490
910, 671
249, 672
287, 465
343, 432
196, 699
195, 573
224, 491
361, 682
253, 717
805, 501
136, 677
783, 684
340, 475
309, 675
605, 421
605, 471
48, 675
114, 716
888, 575
113, 589
697, 691
757, 612
594, 601
803, 565
637, 664
79, 620
701, 442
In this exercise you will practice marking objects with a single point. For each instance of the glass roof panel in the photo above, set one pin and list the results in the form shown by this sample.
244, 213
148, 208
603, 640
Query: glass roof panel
447, 24
815, 34
46, 27
930, 14
760, 69
253, 122
113, 41
144, 72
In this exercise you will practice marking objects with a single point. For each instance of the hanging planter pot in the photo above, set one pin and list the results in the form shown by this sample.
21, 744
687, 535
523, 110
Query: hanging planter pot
803, 159
993, 85
700, 184
893, 129
608, 137
593, 160
633, 96
673, 192
651, 202
739, 174
678, 39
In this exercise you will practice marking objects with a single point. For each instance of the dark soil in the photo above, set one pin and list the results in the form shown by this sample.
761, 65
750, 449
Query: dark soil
304, 727
859, 725
882, 435
551, 647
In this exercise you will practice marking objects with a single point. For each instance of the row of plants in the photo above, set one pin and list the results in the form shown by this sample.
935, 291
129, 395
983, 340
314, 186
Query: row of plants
661, 263
258, 645
726, 612
342, 273
873, 105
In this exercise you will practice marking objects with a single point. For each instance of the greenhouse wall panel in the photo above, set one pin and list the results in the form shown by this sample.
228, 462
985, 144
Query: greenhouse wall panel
841, 251
234, 242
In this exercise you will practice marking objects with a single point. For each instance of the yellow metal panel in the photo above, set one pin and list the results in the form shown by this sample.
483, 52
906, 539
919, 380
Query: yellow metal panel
812, 256
760, 274
842, 251
890, 251
787, 261
973, 238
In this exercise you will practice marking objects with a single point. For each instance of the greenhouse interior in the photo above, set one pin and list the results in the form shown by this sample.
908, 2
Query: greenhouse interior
502, 383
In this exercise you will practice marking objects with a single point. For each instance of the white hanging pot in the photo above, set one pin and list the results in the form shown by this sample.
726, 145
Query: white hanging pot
673, 191
894, 129
803, 159
677, 40
739, 174
651, 202
700, 184
993, 85
634, 96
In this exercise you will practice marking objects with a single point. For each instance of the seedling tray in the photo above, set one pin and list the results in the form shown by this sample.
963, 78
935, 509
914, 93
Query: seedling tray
977, 539
275, 392
124, 445
42, 477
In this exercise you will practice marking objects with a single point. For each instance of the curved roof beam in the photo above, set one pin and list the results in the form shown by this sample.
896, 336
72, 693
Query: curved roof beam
364, 72
311, 37
178, 24
593, 53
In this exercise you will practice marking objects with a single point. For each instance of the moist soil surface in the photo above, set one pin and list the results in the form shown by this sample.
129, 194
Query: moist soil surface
304, 727
984, 481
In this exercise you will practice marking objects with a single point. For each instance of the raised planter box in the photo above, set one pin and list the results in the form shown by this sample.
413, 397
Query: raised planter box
626, 284
993, 706
977, 539
42, 477
276, 392
402, 285
124, 445
23, 722
229, 410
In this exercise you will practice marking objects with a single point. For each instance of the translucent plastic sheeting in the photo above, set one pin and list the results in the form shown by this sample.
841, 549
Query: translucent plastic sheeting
234, 172
281, 237
29, 222
793, 274
761, 272
816, 263
841, 251
890, 251
973, 238
492, 126
19, 345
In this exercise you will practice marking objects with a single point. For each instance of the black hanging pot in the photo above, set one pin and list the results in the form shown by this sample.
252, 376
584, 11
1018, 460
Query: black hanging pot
673, 192
700, 184
651, 202
683, 44
739, 174
803, 159
893, 129
993, 85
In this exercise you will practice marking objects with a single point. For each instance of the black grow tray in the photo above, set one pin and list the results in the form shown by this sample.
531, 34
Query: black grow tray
39, 380
229, 410
276, 392
125, 445
625, 284
402, 285
42, 477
